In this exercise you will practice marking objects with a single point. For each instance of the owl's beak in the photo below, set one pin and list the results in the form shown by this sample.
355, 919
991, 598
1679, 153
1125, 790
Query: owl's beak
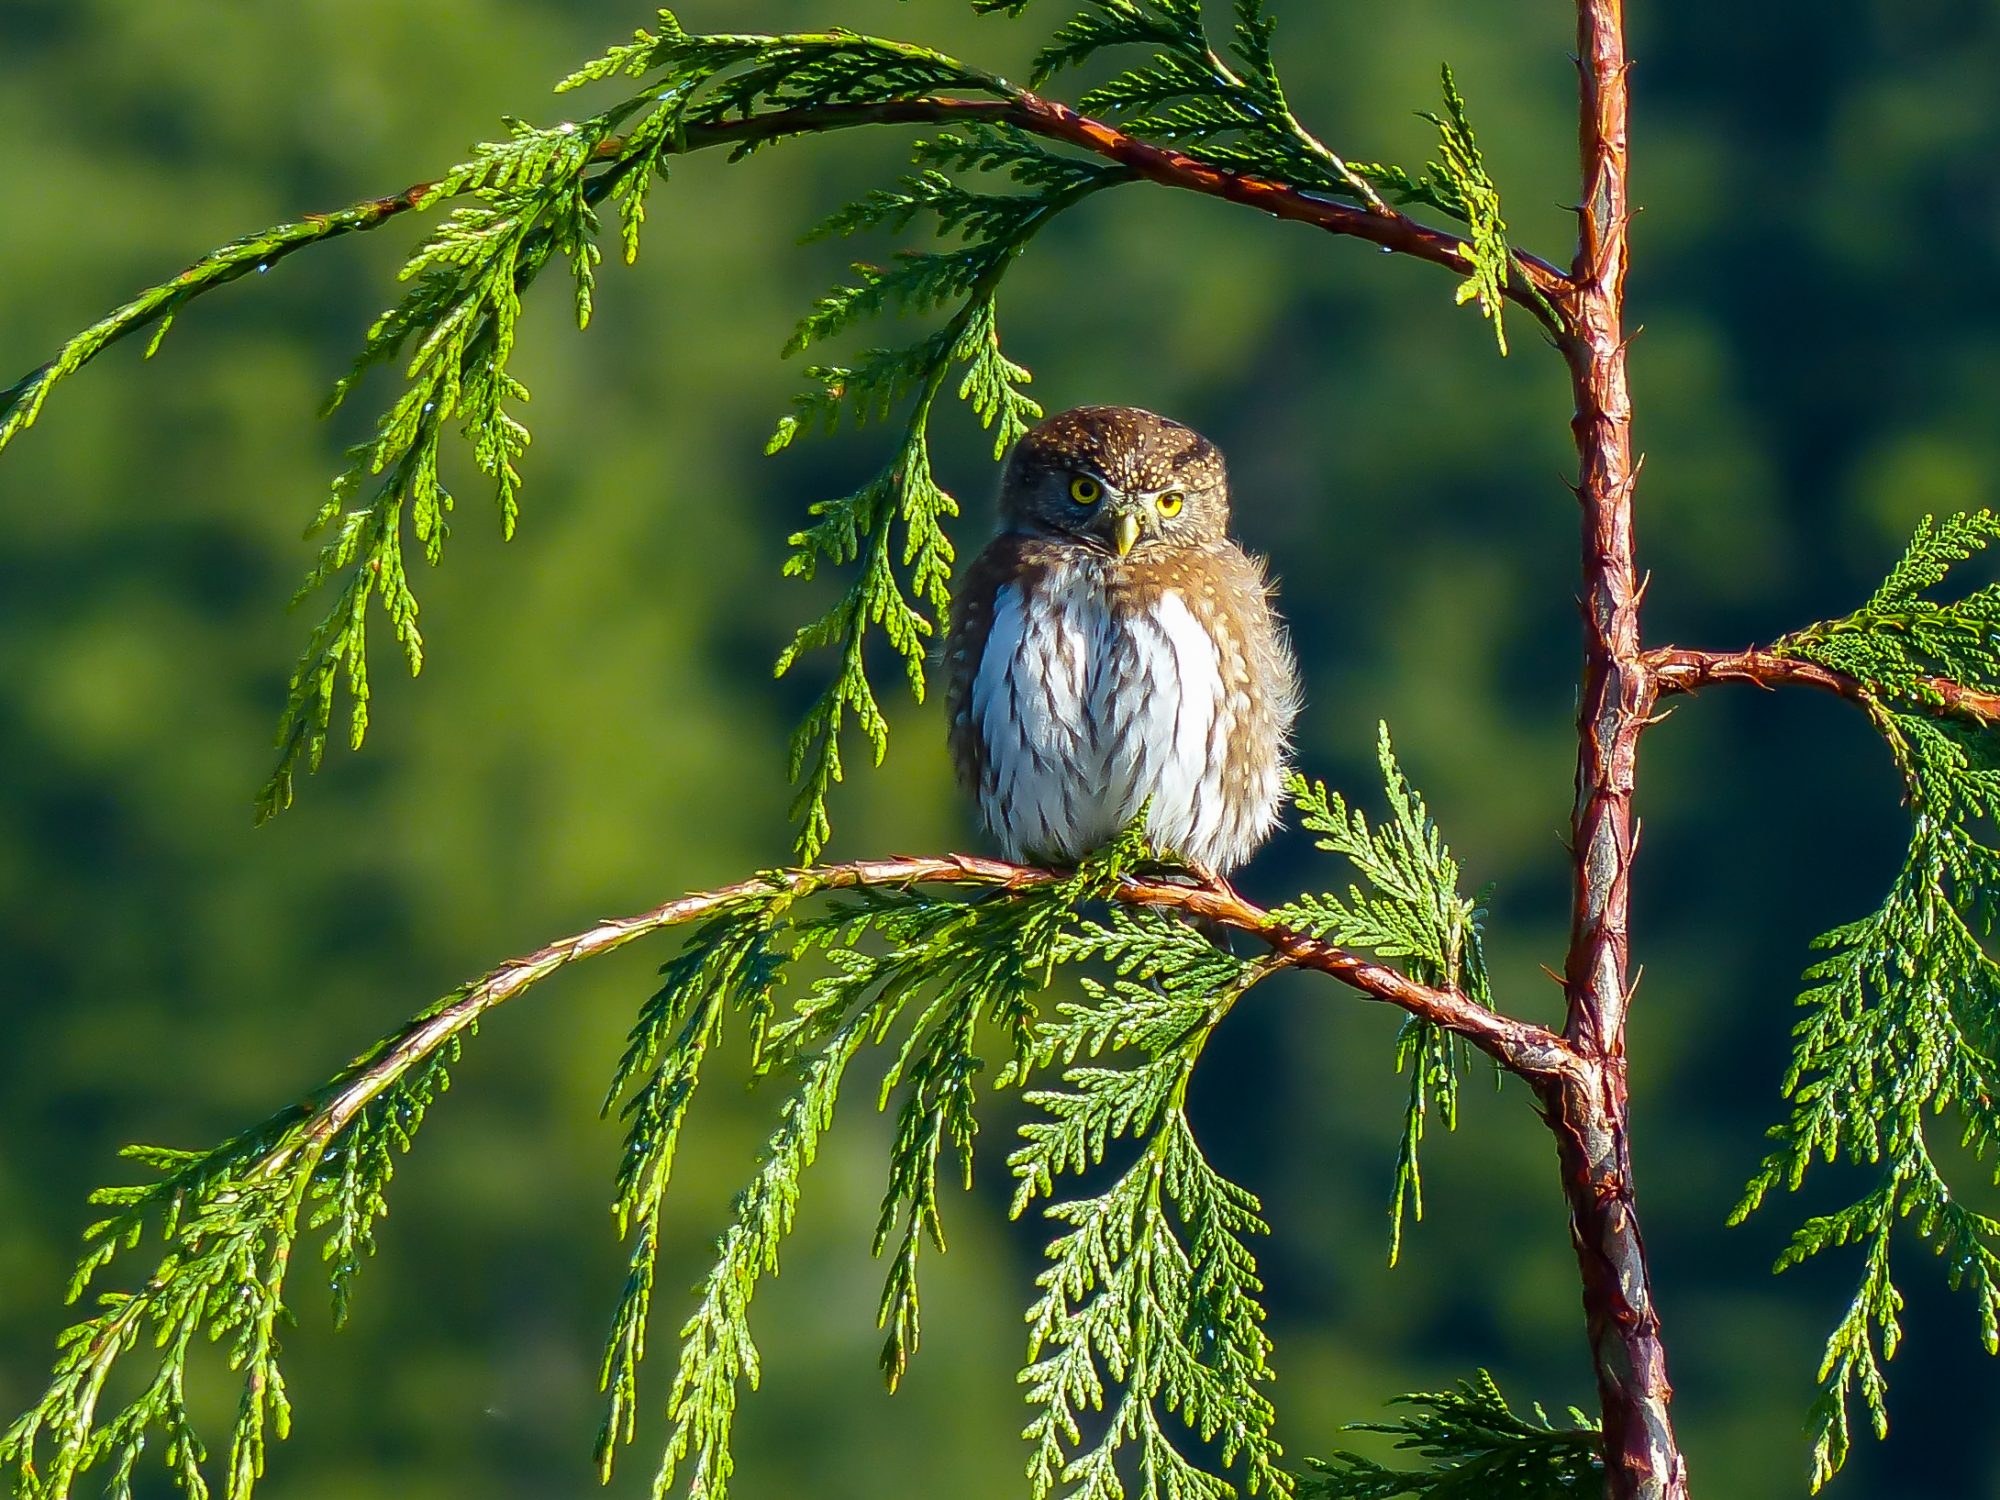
1125, 531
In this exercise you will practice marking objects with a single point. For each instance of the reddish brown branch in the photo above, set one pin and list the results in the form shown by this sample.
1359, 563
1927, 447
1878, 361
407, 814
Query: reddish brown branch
1531, 1052
1534, 284
1677, 670
1535, 281
1590, 1119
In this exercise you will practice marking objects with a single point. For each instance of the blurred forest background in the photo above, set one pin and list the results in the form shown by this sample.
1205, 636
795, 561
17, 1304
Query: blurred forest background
597, 729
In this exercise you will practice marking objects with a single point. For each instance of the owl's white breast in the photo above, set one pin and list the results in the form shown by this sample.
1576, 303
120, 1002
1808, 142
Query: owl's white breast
1086, 713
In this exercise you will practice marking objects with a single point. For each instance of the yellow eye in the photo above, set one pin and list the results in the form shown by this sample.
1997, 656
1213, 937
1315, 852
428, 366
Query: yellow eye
1169, 505
1085, 491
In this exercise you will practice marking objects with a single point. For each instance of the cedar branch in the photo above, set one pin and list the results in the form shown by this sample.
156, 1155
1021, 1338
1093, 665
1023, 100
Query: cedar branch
1534, 283
1675, 669
1529, 1051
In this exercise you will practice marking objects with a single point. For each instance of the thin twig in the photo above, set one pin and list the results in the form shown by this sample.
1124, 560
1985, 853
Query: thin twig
1675, 669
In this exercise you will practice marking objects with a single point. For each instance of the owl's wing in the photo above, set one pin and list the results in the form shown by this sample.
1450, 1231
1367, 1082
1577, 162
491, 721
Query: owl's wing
1002, 562
1262, 676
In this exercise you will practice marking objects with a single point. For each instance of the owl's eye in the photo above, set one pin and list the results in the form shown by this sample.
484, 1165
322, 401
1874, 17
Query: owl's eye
1169, 505
1085, 491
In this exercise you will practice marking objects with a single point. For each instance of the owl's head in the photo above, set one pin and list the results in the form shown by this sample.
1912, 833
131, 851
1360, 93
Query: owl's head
1116, 478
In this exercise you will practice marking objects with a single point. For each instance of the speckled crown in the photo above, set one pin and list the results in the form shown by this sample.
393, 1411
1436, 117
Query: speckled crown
1131, 448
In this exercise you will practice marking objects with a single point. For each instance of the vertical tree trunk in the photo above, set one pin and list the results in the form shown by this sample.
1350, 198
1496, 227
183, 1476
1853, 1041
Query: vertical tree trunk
1641, 1457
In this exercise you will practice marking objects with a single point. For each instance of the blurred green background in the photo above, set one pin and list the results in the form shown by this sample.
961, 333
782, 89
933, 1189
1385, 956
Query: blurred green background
597, 729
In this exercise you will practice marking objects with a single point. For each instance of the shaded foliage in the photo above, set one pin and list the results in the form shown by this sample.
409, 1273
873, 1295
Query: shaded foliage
1479, 1448
1902, 1024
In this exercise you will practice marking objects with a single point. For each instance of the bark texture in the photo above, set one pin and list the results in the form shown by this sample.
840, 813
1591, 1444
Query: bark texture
1590, 1115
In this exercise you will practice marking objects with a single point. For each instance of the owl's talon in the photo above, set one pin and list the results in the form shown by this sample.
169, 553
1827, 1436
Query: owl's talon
1206, 877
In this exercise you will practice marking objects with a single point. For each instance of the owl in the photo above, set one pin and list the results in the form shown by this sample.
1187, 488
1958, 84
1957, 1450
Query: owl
1113, 648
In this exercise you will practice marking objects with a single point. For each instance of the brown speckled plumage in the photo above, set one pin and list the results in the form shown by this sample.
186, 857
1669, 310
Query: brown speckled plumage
1086, 678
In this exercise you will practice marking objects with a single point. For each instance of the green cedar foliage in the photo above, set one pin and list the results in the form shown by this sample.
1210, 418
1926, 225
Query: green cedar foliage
1229, 106
1461, 183
1148, 1311
1480, 1448
538, 197
533, 198
228, 1222
1411, 910
1151, 1283
1898, 1054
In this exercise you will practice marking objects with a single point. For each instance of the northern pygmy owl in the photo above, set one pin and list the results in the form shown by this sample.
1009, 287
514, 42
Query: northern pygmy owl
1113, 645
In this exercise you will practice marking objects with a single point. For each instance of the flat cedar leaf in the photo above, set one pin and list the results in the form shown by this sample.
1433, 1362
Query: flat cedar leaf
1900, 1015
1461, 175
1474, 1445
1408, 909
